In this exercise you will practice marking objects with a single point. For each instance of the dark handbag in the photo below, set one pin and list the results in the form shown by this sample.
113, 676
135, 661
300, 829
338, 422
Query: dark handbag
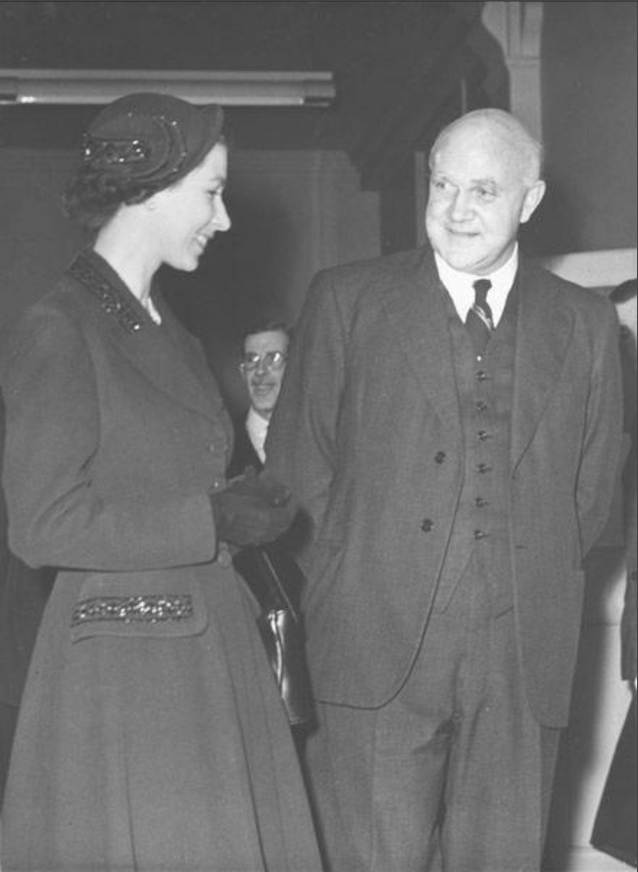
615, 825
276, 582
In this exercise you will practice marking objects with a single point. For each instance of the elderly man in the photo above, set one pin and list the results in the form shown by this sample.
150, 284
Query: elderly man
451, 424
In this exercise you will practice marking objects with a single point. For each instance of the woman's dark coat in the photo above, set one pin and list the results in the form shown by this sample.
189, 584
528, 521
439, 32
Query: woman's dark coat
151, 735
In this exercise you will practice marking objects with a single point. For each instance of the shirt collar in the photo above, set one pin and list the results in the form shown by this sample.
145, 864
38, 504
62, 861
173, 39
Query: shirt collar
459, 285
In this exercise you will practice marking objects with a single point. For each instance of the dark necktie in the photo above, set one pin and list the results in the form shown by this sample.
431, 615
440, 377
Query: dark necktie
480, 322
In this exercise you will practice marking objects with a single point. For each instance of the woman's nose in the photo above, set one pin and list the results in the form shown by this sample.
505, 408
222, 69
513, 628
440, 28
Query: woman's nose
221, 218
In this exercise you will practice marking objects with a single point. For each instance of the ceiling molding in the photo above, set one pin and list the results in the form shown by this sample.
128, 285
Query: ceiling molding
30, 87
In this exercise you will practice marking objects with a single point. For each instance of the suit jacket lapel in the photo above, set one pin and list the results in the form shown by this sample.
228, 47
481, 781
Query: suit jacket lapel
166, 355
543, 334
416, 307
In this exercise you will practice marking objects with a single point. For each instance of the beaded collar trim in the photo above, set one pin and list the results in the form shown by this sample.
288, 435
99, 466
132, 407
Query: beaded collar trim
111, 300
147, 609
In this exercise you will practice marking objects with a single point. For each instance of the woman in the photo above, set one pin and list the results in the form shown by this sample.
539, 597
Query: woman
151, 735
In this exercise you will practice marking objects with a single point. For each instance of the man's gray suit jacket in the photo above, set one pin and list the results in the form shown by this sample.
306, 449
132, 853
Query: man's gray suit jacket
369, 401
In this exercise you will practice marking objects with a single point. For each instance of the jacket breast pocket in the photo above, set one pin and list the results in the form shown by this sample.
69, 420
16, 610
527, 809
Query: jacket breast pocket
155, 604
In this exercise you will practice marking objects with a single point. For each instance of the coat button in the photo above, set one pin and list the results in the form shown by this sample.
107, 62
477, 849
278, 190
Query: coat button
483, 468
427, 525
481, 375
483, 435
480, 406
481, 503
217, 484
440, 456
480, 534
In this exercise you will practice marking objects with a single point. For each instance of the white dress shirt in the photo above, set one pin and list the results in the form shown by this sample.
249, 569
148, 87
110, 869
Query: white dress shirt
460, 286
257, 429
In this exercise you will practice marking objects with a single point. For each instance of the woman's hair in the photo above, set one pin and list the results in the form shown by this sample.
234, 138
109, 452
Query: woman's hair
136, 146
93, 197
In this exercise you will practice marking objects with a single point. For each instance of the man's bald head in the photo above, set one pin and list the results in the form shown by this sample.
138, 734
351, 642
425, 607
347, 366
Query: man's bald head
512, 135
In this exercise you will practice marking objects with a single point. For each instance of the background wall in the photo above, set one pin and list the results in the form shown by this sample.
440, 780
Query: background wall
589, 116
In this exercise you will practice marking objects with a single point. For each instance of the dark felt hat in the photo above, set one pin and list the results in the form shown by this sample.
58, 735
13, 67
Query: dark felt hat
151, 138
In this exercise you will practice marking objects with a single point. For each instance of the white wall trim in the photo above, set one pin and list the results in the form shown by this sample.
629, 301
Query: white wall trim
595, 269
518, 27
590, 860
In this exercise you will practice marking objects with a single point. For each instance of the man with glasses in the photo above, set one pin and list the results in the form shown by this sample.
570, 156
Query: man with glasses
263, 363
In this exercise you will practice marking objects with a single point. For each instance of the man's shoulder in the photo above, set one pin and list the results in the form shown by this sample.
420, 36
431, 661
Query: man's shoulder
570, 294
378, 268
370, 282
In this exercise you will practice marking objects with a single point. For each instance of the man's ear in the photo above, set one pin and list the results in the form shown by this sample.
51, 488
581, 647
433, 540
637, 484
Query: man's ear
532, 199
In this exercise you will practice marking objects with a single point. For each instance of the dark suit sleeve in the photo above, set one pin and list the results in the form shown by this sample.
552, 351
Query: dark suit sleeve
301, 447
601, 452
52, 436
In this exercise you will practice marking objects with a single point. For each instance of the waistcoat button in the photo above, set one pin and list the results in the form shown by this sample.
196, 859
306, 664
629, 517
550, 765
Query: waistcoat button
427, 525
440, 456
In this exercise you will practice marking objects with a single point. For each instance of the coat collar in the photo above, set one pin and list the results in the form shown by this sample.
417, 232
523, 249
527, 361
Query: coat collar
416, 306
543, 333
167, 355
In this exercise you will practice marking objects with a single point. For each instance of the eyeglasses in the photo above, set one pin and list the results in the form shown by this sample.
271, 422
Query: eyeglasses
271, 360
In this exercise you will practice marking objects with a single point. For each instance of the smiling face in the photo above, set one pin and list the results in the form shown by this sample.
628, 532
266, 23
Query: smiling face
187, 215
263, 380
482, 187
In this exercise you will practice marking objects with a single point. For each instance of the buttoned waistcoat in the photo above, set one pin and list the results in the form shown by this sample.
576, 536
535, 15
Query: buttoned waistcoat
369, 403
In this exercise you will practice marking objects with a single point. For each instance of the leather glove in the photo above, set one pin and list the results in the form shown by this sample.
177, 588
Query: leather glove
252, 510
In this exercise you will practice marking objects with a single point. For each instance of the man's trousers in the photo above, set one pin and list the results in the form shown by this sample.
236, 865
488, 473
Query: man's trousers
454, 773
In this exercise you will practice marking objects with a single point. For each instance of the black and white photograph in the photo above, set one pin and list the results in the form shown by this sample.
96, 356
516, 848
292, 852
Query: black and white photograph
318, 408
